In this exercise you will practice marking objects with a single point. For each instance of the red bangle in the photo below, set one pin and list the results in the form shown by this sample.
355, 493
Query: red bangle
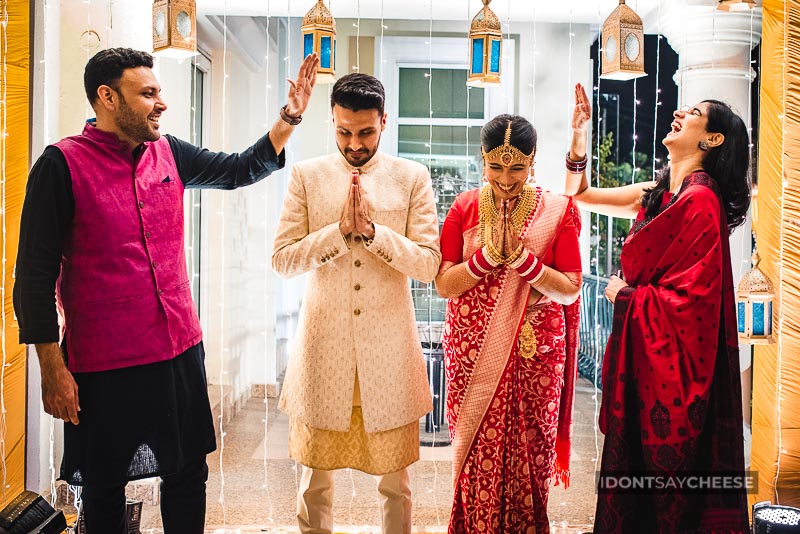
480, 264
530, 268
576, 167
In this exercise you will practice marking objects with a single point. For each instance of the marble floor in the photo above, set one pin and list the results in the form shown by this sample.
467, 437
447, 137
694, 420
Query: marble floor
252, 481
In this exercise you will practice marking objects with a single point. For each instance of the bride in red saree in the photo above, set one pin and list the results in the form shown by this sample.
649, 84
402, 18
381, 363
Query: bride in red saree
671, 386
511, 270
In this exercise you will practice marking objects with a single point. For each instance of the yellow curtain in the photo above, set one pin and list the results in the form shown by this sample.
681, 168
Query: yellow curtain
14, 158
776, 368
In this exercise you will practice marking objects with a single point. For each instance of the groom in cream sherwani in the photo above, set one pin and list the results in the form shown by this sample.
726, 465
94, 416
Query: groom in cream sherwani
361, 223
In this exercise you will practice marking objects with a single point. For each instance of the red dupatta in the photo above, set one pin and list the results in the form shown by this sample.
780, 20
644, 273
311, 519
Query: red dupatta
671, 384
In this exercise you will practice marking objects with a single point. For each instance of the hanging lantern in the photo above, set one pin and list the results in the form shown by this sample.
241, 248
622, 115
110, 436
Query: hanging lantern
736, 5
623, 45
486, 48
174, 28
319, 35
754, 306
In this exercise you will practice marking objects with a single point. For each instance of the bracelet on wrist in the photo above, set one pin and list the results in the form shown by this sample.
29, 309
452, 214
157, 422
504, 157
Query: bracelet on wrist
480, 264
576, 167
288, 119
530, 268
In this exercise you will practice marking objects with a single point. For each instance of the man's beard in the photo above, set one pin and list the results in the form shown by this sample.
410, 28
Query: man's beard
132, 126
365, 160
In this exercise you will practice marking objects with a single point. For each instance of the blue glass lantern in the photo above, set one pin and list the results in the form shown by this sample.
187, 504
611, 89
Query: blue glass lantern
754, 299
486, 48
319, 35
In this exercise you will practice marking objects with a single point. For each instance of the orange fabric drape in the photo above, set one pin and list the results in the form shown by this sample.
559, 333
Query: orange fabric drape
14, 159
776, 368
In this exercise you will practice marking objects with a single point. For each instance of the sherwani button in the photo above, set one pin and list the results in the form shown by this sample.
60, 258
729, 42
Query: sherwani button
358, 239
141, 203
357, 263
356, 312
357, 287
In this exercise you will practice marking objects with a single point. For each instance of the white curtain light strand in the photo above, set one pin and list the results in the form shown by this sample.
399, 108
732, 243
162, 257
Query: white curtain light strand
383, 27
430, 285
596, 216
569, 91
633, 149
3, 177
533, 66
782, 313
46, 133
223, 348
267, 248
466, 129
658, 91
358, 36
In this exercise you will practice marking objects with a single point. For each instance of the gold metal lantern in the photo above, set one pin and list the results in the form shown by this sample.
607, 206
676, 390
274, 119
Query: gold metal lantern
175, 28
623, 45
319, 35
754, 299
486, 48
736, 5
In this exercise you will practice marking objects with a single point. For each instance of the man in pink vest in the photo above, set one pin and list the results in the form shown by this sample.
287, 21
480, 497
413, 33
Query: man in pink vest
102, 234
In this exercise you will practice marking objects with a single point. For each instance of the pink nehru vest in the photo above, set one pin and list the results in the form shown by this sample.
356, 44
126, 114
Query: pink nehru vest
123, 287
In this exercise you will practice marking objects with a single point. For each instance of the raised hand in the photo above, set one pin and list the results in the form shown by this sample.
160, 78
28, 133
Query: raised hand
300, 89
582, 113
348, 221
364, 224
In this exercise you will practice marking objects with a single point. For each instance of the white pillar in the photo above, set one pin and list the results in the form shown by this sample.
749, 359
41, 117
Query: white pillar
714, 62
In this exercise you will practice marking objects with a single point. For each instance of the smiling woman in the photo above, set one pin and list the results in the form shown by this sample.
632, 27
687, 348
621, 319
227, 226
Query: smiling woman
511, 269
671, 390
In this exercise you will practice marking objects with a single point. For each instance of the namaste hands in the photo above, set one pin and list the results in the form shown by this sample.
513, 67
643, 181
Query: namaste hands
504, 234
355, 215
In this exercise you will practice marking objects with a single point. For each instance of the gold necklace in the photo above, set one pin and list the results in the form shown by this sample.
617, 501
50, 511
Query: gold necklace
489, 216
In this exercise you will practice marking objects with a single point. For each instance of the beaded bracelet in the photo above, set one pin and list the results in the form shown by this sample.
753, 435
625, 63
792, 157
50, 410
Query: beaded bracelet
576, 167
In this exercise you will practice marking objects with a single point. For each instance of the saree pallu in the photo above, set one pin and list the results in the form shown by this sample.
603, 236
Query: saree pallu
510, 417
671, 384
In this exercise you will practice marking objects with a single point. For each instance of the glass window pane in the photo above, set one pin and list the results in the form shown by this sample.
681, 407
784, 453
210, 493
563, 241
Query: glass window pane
448, 94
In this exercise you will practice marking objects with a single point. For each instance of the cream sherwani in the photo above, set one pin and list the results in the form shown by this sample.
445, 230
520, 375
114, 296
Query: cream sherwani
357, 312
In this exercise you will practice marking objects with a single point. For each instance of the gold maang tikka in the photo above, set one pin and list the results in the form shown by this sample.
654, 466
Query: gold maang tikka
507, 153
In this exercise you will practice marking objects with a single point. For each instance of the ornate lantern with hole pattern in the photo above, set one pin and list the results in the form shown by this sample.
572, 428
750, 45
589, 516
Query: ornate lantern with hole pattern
486, 48
754, 299
319, 35
174, 28
623, 45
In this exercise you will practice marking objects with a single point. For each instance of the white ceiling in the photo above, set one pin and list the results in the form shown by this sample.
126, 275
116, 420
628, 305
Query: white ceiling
578, 11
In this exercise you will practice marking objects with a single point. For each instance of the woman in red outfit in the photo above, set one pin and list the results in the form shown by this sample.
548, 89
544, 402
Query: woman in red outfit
671, 387
512, 271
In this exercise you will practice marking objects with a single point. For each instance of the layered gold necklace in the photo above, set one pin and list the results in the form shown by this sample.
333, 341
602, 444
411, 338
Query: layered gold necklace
490, 216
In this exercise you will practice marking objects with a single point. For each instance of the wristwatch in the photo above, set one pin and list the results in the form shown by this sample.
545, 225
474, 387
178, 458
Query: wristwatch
288, 119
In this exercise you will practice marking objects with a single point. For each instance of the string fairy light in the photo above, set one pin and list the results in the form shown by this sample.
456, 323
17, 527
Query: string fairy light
267, 247
383, 27
781, 314
223, 349
429, 289
533, 67
658, 89
3, 177
597, 294
358, 36
569, 71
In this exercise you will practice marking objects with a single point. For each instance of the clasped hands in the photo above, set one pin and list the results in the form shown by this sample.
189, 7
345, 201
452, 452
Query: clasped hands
505, 245
355, 215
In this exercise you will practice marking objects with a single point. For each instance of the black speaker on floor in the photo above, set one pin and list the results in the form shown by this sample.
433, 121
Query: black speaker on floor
29, 513
774, 519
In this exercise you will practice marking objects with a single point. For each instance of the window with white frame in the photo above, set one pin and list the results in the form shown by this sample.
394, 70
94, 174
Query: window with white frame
435, 119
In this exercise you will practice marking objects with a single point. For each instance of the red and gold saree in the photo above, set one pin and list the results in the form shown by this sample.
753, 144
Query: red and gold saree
671, 386
510, 417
